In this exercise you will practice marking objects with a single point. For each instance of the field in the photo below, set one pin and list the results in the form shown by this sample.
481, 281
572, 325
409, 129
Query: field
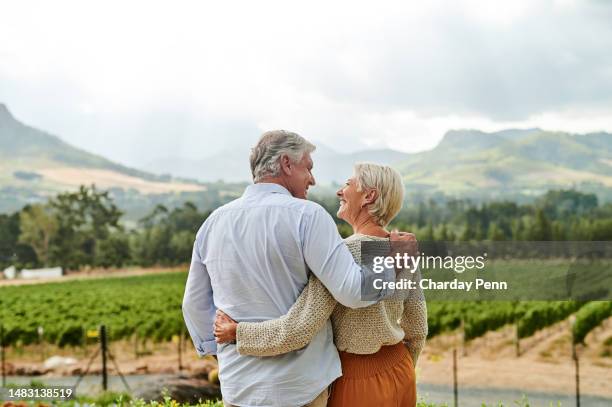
147, 308
74, 177
150, 307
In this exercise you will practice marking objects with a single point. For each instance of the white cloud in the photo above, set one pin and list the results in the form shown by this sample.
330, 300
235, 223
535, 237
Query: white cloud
145, 79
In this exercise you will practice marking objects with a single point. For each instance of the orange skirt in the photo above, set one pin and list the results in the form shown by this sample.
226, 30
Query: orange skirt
385, 378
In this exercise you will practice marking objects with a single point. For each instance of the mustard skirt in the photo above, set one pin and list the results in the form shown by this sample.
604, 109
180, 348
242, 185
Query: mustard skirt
385, 378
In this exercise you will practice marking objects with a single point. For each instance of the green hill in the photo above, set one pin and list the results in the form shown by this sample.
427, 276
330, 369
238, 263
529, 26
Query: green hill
33, 147
509, 162
35, 164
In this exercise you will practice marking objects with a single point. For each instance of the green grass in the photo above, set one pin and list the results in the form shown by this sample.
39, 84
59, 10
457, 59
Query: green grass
123, 400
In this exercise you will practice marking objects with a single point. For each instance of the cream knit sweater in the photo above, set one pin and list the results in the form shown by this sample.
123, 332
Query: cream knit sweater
361, 331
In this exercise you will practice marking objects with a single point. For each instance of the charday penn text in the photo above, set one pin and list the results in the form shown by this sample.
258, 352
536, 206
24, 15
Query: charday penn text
458, 264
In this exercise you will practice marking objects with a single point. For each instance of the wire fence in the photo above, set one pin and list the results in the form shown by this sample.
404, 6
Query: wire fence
97, 351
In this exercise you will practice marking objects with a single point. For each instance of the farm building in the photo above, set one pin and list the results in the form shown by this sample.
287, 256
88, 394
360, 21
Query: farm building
42, 273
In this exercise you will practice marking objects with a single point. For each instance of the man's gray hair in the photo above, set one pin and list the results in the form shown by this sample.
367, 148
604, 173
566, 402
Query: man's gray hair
265, 156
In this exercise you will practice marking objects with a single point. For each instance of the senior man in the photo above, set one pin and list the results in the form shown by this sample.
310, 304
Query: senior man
251, 258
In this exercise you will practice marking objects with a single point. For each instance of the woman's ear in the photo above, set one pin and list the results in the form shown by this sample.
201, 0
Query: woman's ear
370, 197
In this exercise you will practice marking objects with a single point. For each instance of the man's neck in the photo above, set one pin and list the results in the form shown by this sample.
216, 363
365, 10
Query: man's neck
274, 180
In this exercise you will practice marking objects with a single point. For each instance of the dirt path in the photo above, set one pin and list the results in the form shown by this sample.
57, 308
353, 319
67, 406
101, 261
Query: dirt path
545, 363
527, 374
490, 362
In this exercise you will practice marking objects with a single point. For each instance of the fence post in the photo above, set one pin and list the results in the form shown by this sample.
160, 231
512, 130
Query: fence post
136, 345
576, 362
180, 351
455, 385
3, 355
463, 341
41, 339
517, 340
84, 341
103, 349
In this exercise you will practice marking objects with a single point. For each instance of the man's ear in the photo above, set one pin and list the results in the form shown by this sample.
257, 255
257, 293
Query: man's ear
285, 163
370, 197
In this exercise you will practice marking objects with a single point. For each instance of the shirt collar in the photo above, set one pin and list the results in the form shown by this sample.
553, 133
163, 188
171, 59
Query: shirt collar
265, 188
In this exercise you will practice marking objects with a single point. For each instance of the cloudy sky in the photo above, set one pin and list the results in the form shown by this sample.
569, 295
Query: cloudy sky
136, 81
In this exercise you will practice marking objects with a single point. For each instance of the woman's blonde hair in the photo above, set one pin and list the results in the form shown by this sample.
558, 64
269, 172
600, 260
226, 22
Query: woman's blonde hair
388, 182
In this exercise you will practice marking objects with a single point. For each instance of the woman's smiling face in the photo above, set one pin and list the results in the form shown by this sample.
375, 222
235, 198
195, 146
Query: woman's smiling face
350, 200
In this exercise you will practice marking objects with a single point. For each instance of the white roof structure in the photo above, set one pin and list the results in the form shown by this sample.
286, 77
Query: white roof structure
10, 273
53, 272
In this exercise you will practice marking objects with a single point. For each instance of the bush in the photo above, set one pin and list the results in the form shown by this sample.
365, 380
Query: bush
589, 317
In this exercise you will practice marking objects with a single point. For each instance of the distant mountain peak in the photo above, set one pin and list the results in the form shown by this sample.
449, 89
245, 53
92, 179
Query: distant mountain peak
5, 114
468, 139
472, 139
25, 145
518, 132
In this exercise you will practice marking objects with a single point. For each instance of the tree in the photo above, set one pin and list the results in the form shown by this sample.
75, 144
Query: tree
518, 229
468, 232
558, 231
181, 246
86, 218
442, 234
495, 233
601, 229
426, 234
421, 215
38, 228
167, 236
114, 251
480, 232
541, 229
9, 237
558, 204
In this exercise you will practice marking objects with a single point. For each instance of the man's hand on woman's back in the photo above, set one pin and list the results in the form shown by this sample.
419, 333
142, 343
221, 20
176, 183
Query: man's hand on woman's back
406, 241
225, 328
403, 243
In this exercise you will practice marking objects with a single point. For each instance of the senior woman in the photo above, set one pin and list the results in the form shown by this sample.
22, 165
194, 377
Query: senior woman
378, 345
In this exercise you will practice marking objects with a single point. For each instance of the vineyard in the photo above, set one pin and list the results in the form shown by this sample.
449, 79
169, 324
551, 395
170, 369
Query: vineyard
481, 317
529, 316
150, 308
147, 306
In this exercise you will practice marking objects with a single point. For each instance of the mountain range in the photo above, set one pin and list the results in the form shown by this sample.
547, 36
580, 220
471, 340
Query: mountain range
527, 162
465, 162
35, 164
233, 165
